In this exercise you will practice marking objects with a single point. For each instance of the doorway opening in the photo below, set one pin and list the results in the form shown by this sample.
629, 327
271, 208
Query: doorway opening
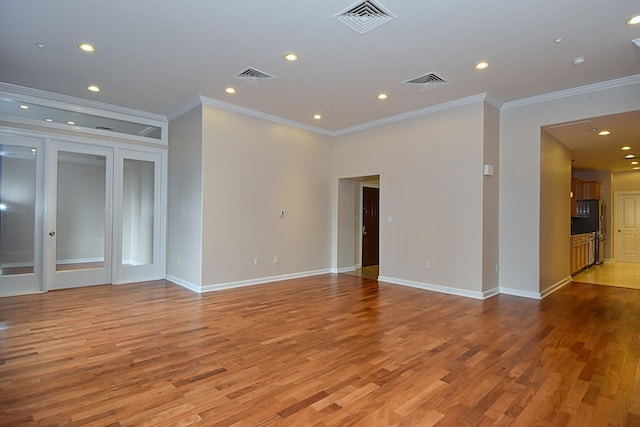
359, 226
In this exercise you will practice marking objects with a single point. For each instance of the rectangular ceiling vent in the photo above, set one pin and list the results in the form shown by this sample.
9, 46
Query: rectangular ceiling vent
363, 17
428, 81
254, 77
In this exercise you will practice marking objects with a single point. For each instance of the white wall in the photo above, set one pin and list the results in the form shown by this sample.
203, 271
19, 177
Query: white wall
184, 234
520, 152
252, 169
555, 204
431, 184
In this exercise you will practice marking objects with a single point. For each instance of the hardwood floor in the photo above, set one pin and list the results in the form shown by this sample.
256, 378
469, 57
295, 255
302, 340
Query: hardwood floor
612, 273
331, 350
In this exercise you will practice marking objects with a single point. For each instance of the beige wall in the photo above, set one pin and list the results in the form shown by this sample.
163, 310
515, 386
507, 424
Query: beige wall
184, 234
431, 185
555, 220
520, 151
252, 169
490, 200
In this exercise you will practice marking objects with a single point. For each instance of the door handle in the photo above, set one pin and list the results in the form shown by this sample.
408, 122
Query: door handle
364, 230
52, 233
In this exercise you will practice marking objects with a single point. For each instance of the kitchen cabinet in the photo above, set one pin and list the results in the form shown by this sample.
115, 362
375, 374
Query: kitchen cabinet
580, 191
579, 252
591, 190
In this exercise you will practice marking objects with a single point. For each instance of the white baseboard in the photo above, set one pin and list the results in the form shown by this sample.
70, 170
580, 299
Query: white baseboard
241, 283
536, 295
343, 269
520, 293
439, 288
556, 286
183, 283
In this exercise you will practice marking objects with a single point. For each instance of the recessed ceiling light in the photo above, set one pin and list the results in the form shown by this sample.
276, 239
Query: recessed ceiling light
291, 57
558, 40
86, 47
629, 156
48, 120
636, 168
625, 148
93, 88
578, 61
481, 65
24, 107
635, 162
317, 116
604, 133
633, 21
71, 123
40, 45
230, 90
382, 96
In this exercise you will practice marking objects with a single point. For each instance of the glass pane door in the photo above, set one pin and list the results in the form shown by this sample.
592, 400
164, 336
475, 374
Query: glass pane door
20, 215
139, 208
80, 222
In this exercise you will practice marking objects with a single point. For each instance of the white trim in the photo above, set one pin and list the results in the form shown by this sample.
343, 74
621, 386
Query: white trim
404, 116
123, 113
261, 115
520, 293
344, 269
412, 114
242, 283
85, 106
195, 102
556, 286
581, 90
437, 288
188, 285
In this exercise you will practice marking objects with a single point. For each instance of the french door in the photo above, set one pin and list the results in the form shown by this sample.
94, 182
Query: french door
78, 215
75, 214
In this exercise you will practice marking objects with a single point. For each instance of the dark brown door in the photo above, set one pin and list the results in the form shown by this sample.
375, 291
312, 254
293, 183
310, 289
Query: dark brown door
370, 225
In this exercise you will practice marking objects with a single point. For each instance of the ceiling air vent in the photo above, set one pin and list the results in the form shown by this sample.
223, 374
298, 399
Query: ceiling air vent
428, 81
363, 17
254, 77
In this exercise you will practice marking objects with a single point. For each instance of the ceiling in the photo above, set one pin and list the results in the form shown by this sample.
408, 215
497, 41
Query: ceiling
159, 55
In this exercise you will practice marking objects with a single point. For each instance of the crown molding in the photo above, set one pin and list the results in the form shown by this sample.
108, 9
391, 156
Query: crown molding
415, 113
261, 115
79, 104
580, 90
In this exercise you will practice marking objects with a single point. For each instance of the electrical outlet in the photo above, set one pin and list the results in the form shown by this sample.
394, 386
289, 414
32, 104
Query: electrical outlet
256, 261
178, 260
427, 265
276, 259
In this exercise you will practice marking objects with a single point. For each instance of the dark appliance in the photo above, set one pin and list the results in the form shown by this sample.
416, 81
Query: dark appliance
591, 219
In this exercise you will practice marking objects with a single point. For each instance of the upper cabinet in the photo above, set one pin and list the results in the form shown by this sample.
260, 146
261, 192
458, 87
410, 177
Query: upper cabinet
583, 190
590, 190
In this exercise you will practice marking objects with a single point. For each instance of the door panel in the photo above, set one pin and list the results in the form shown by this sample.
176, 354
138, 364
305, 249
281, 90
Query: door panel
78, 233
139, 207
628, 230
371, 225
20, 215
